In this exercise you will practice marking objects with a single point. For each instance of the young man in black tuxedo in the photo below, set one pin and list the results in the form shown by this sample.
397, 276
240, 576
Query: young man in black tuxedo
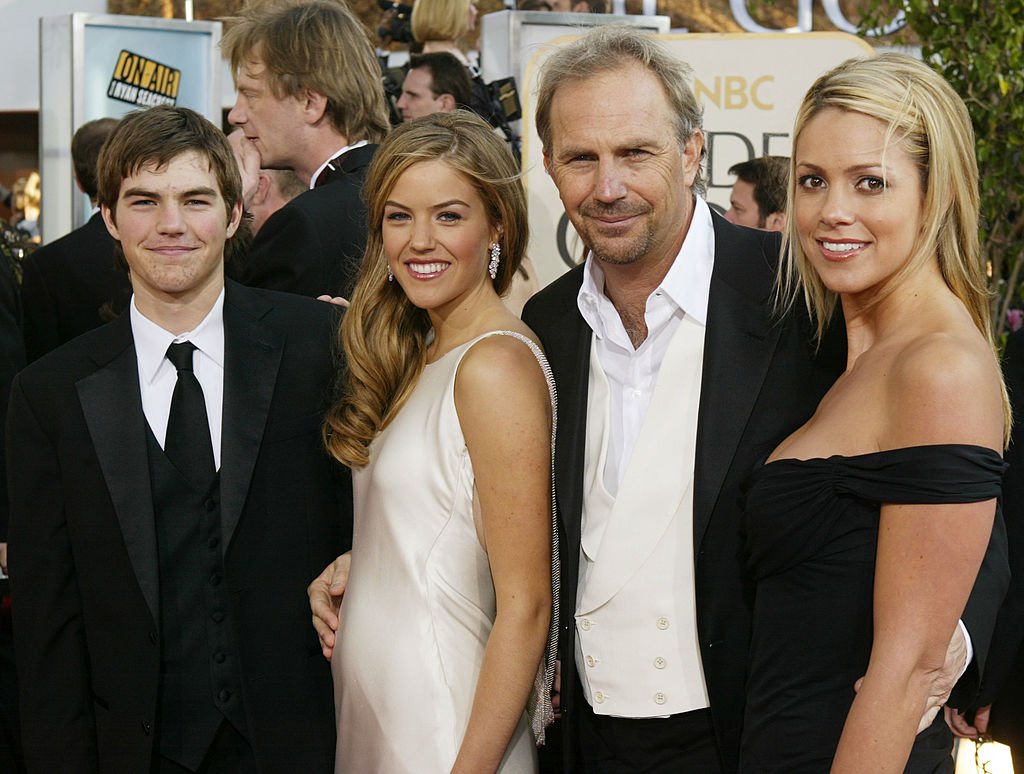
170, 498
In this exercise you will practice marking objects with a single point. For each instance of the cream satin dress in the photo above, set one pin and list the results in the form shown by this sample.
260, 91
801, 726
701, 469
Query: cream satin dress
420, 602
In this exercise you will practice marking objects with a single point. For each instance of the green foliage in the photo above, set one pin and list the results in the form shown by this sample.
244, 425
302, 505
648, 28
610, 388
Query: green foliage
978, 47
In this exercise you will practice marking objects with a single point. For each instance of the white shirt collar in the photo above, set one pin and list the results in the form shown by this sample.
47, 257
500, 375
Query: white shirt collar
322, 167
687, 282
152, 341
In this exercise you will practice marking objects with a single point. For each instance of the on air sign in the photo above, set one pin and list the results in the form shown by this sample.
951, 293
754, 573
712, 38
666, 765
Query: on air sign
141, 81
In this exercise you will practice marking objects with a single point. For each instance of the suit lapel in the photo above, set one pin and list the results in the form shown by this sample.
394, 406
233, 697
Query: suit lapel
569, 344
659, 472
740, 340
112, 404
252, 356
347, 163
357, 158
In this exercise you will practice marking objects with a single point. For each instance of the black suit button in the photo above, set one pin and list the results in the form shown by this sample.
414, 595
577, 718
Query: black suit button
210, 504
217, 616
213, 542
147, 727
224, 696
215, 579
219, 657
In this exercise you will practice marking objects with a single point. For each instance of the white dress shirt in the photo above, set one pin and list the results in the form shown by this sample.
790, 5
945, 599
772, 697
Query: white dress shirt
633, 373
157, 375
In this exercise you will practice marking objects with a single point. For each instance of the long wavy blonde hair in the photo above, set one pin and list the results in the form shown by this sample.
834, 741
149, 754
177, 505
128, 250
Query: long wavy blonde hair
383, 335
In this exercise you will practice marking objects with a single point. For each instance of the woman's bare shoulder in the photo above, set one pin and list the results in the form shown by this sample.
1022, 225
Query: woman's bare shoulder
503, 367
944, 386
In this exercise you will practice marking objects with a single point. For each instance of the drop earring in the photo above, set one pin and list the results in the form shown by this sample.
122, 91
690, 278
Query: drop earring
492, 267
391, 275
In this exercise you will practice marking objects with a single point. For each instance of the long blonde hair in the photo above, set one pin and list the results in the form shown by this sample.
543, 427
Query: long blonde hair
383, 335
931, 123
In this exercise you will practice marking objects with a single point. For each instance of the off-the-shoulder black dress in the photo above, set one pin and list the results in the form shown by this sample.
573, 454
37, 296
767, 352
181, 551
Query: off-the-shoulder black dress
812, 530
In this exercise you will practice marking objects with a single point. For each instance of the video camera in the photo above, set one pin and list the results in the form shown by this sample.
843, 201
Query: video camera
496, 102
396, 26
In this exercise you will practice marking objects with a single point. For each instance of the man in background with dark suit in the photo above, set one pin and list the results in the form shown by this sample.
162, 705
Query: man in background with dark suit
73, 284
12, 360
310, 99
435, 83
170, 496
758, 197
1002, 696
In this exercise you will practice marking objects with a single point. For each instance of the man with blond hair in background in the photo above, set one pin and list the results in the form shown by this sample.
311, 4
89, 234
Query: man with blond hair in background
310, 99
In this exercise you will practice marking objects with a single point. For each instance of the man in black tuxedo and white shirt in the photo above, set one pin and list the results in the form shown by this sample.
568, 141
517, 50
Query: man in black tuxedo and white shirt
310, 99
73, 284
170, 497
674, 378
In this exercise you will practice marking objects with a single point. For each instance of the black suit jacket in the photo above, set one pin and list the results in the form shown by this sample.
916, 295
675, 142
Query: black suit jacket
760, 382
67, 283
12, 360
1005, 669
314, 244
762, 379
83, 544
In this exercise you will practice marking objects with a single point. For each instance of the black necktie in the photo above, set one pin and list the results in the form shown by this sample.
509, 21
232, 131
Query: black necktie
187, 444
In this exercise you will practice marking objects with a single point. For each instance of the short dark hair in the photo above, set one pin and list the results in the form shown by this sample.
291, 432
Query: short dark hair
85, 150
447, 75
156, 136
770, 177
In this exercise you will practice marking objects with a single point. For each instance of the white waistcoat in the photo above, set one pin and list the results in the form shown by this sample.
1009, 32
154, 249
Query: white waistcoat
637, 651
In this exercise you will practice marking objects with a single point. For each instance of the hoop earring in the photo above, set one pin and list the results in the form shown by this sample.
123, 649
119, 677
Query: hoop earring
492, 267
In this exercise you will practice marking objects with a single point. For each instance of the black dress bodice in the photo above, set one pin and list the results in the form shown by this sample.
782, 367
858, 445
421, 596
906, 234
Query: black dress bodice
812, 529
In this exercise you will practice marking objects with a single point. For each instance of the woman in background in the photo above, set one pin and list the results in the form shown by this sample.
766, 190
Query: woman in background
443, 25
867, 526
446, 420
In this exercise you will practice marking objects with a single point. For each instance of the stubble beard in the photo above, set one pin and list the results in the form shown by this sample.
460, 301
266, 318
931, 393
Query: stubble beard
621, 251
617, 251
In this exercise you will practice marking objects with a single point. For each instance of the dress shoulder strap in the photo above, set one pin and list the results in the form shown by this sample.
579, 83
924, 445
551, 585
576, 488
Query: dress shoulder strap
539, 708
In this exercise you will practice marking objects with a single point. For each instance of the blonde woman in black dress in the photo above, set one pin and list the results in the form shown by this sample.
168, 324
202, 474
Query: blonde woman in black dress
867, 526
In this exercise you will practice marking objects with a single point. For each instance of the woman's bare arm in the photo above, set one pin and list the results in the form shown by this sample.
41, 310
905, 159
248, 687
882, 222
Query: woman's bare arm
928, 555
504, 409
